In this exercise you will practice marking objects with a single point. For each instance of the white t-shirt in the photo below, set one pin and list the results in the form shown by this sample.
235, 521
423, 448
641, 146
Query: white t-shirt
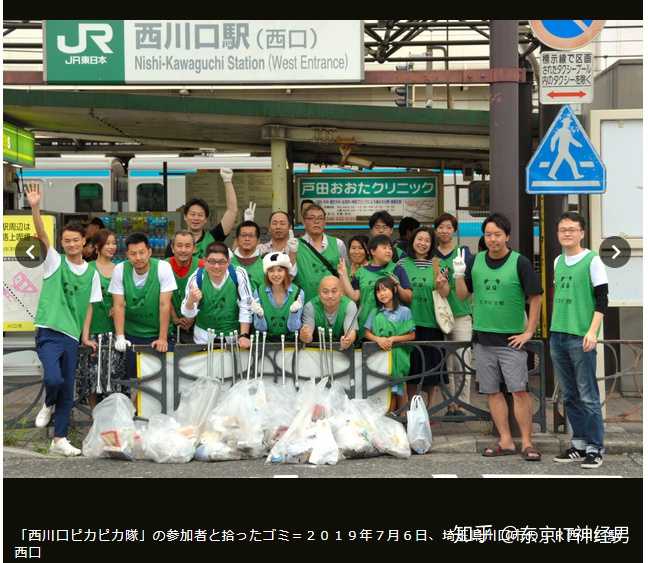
52, 263
598, 275
165, 277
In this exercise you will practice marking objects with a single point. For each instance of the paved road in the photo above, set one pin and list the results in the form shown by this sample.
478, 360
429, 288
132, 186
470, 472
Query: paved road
25, 464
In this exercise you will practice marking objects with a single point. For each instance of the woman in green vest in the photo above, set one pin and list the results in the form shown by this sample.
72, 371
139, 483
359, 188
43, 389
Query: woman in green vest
277, 303
99, 322
392, 323
420, 271
358, 254
361, 288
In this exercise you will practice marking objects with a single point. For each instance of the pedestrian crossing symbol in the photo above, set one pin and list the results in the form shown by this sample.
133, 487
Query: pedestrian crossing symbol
565, 162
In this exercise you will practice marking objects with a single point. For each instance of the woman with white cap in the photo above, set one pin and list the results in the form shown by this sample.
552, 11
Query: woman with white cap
278, 302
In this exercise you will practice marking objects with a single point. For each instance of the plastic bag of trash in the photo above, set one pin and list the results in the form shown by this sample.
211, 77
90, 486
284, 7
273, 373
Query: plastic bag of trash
352, 432
388, 436
310, 430
419, 432
166, 441
234, 429
280, 410
196, 402
113, 430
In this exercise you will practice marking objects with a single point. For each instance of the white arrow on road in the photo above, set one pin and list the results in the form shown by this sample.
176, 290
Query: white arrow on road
29, 252
616, 253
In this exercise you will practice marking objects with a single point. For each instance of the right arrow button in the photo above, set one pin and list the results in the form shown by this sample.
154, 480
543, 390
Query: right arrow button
615, 252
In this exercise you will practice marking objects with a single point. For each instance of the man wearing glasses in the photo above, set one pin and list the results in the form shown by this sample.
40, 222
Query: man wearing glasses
247, 255
580, 302
318, 254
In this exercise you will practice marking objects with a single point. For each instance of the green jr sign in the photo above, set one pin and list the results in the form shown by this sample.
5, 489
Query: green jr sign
84, 51
17, 145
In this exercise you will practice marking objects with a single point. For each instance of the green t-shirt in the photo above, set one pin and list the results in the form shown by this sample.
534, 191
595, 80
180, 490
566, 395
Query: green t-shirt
64, 300
277, 317
574, 302
498, 296
254, 271
423, 284
142, 303
322, 320
201, 247
367, 280
102, 322
310, 270
382, 326
218, 307
459, 308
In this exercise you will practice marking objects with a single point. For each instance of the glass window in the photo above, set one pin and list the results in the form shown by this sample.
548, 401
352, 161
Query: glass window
88, 197
151, 197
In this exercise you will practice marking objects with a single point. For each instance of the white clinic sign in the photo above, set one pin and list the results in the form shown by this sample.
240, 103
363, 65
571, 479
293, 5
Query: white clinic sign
243, 51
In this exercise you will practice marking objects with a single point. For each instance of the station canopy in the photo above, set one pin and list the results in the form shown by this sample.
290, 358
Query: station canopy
122, 124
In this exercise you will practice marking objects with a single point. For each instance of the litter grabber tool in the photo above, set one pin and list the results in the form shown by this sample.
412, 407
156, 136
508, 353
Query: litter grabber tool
250, 356
283, 360
99, 390
222, 362
262, 354
110, 345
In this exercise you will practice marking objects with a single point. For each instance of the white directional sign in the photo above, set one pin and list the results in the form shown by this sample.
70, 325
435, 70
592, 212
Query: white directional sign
565, 161
566, 78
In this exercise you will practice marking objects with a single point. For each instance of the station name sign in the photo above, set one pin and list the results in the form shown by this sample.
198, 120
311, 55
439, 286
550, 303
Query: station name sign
203, 51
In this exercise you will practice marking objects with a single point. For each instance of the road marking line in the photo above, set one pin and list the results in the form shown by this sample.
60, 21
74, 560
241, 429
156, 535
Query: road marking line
445, 476
535, 476
285, 476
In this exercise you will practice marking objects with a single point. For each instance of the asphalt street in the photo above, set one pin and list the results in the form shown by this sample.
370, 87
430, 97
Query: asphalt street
25, 464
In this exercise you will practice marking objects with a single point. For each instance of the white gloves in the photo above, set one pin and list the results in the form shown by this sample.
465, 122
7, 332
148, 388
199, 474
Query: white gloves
296, 306
256, 308
248, 214
226, 174
121, 343
293, 243
459, 265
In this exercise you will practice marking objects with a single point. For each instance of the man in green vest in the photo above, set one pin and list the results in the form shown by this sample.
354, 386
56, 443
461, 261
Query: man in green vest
142, 289
69, 286
183, 263
361, 288
579, 304
318, 254
196, 214
501, 280
331, 309
382, 223
218, 301
246, 254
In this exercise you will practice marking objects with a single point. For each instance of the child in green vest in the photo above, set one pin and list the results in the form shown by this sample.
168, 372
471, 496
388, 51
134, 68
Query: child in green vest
277, 303
361, 288
390, 324
219, 297
99, 321
69, 286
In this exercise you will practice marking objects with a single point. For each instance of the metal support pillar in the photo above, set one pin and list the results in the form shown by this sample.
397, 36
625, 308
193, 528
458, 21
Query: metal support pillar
525, 201
504, 128
278, 153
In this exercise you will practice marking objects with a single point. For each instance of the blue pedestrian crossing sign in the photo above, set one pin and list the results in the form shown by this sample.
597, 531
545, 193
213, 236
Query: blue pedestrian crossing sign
565, 162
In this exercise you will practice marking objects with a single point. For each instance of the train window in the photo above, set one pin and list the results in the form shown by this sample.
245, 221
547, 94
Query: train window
88, 197
479, 198
151, 197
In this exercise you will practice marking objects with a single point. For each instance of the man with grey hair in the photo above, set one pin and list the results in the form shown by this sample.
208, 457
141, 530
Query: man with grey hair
331, 309
184, 264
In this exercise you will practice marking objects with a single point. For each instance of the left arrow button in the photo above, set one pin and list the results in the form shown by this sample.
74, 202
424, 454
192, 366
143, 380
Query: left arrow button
31, 252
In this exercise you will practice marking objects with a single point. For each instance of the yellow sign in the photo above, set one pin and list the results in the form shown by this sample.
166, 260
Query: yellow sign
21, 286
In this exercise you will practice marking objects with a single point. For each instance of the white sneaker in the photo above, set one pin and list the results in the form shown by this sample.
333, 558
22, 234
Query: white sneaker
63, 447
44, 416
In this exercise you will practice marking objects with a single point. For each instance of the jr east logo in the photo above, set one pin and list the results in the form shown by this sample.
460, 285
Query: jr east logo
91, 36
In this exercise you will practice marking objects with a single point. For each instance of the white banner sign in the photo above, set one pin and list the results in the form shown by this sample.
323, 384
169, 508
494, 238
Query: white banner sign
566, 77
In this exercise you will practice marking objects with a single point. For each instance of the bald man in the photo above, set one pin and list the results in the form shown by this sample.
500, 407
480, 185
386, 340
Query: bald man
331, 309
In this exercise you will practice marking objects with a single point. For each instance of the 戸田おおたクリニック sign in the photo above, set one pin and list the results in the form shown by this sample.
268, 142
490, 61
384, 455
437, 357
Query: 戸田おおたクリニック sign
353, 198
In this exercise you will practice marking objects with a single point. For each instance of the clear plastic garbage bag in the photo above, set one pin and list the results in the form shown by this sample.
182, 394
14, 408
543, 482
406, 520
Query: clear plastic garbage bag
352, 432
419, 432
279, 412
388, 436
196, 402
166, 441
113, 431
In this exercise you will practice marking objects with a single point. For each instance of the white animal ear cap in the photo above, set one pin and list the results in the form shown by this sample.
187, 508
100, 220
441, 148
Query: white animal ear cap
276, 259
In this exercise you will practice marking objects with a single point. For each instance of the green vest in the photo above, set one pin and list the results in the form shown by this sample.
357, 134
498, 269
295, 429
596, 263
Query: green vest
322, 320
64, 300
367, 281
574, 302
423, 284
277, 317
101, 320
310, 269
498, 297
142, 303
459, 308
201, 247
400, 355
254, 272
218, 307
179, 294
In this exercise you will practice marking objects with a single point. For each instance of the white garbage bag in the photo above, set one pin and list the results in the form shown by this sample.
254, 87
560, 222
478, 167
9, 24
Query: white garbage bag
419, 432
113, 431
166, 441
196, 402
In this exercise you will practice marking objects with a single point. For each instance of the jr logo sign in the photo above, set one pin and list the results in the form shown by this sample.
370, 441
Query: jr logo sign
100, 33
84, 51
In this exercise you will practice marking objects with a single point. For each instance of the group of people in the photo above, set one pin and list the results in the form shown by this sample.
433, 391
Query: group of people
374, 289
